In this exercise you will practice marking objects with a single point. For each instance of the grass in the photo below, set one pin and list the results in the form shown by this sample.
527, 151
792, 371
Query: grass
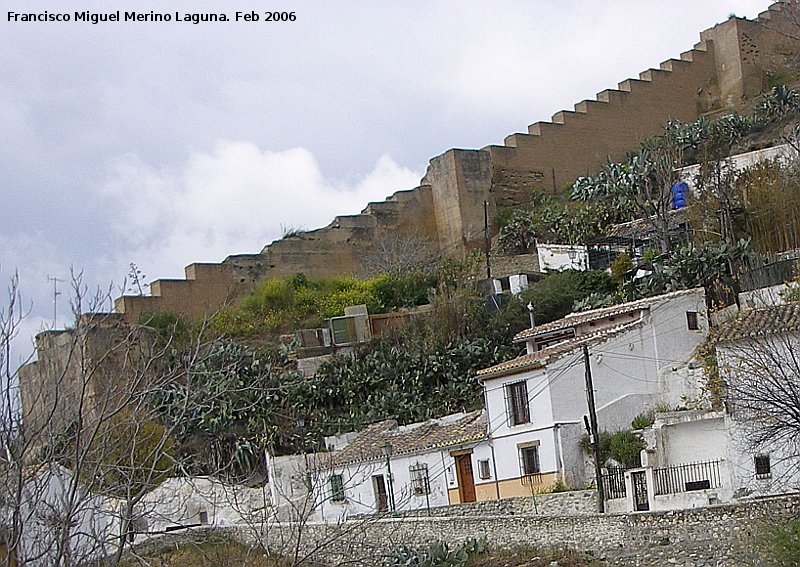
532, 557
203, 550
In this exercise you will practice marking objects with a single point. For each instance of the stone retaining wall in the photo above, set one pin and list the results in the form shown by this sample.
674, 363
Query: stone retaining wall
715, 536
573, 503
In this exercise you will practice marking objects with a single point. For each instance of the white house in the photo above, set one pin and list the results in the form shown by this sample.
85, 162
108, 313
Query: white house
758, 354
386, 468
639, 354
686, 464
746, 449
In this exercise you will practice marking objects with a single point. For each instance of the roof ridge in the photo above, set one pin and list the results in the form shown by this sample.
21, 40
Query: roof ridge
600, 312
557, 350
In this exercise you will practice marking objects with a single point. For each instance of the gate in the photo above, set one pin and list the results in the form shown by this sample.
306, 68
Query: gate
639, 482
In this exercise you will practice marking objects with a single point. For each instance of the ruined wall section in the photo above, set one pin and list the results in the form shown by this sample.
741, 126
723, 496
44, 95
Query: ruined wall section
460, 181
341, 247
83, 371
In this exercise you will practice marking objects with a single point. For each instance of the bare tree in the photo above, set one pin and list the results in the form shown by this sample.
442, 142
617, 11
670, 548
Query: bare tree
400, 254
88, 444
759, 361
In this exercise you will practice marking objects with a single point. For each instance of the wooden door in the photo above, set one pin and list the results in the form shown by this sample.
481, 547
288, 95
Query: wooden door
466, 482
381, 498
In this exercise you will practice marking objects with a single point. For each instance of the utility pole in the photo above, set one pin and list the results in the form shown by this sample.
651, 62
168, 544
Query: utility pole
56, 293
594, 438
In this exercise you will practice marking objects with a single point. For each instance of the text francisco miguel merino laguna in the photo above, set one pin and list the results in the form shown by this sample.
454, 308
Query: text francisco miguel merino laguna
118, 16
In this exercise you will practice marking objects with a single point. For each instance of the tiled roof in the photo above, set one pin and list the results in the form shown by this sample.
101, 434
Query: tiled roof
761, 322
542, 357
432, 434
574, 319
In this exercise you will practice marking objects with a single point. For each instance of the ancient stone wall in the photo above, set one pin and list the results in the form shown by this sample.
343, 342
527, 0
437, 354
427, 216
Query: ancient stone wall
731, 63
86, 370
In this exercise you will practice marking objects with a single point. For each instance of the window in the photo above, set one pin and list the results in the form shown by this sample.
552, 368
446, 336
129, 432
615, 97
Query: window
337, 488
420, 483
763, 467
517, 403
483, 469
529, 460
691, 320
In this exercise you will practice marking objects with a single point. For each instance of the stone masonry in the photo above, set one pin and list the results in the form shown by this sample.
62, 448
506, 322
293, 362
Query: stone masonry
719, 536
730, 65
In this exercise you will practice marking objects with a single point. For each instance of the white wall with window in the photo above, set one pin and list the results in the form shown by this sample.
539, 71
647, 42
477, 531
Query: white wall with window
518, 403
417, 481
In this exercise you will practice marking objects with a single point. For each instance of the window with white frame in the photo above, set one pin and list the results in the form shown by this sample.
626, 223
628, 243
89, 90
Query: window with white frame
337, 487
517, 408
483, 469
420, 482
763, 466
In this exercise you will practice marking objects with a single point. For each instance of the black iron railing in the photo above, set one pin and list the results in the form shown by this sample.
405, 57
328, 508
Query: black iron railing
685, 478
614, 483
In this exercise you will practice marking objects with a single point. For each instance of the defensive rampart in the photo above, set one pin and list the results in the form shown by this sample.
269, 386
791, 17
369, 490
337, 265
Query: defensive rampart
730, 65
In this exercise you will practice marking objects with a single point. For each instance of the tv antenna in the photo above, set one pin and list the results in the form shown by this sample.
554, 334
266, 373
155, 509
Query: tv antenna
56, 293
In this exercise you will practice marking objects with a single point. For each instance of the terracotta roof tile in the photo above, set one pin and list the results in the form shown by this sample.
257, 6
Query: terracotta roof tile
761, 322
574, 319
542, 357
432, 434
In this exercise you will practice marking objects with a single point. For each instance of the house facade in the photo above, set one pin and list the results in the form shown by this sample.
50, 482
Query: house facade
746, 447
639, 354
388, 469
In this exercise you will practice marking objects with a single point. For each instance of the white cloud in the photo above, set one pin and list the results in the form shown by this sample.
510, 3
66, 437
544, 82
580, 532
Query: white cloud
231, 200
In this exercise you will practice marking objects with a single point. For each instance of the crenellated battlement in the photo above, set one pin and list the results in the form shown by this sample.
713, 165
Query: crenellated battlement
729, 66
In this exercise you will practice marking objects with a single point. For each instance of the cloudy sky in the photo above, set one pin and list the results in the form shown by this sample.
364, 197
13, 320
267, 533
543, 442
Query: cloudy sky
166, 143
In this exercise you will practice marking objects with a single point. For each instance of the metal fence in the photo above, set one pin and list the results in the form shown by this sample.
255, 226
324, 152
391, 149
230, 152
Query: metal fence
685, 478
614, 483
774, 273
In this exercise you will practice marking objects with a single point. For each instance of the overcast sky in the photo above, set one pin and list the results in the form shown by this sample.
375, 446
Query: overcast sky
170, 143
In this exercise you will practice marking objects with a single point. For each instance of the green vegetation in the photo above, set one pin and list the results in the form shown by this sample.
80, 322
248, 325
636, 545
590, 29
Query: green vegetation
242, 400
780, 542
282, 305
552, 219
691, 266
554, 296
198, 550
438, 554
620, 448
643, 420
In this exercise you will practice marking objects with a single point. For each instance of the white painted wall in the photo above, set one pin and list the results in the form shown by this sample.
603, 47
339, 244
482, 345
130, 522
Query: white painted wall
744, 160
557, 257
632, 372
51, 498
181, 501
359, 492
